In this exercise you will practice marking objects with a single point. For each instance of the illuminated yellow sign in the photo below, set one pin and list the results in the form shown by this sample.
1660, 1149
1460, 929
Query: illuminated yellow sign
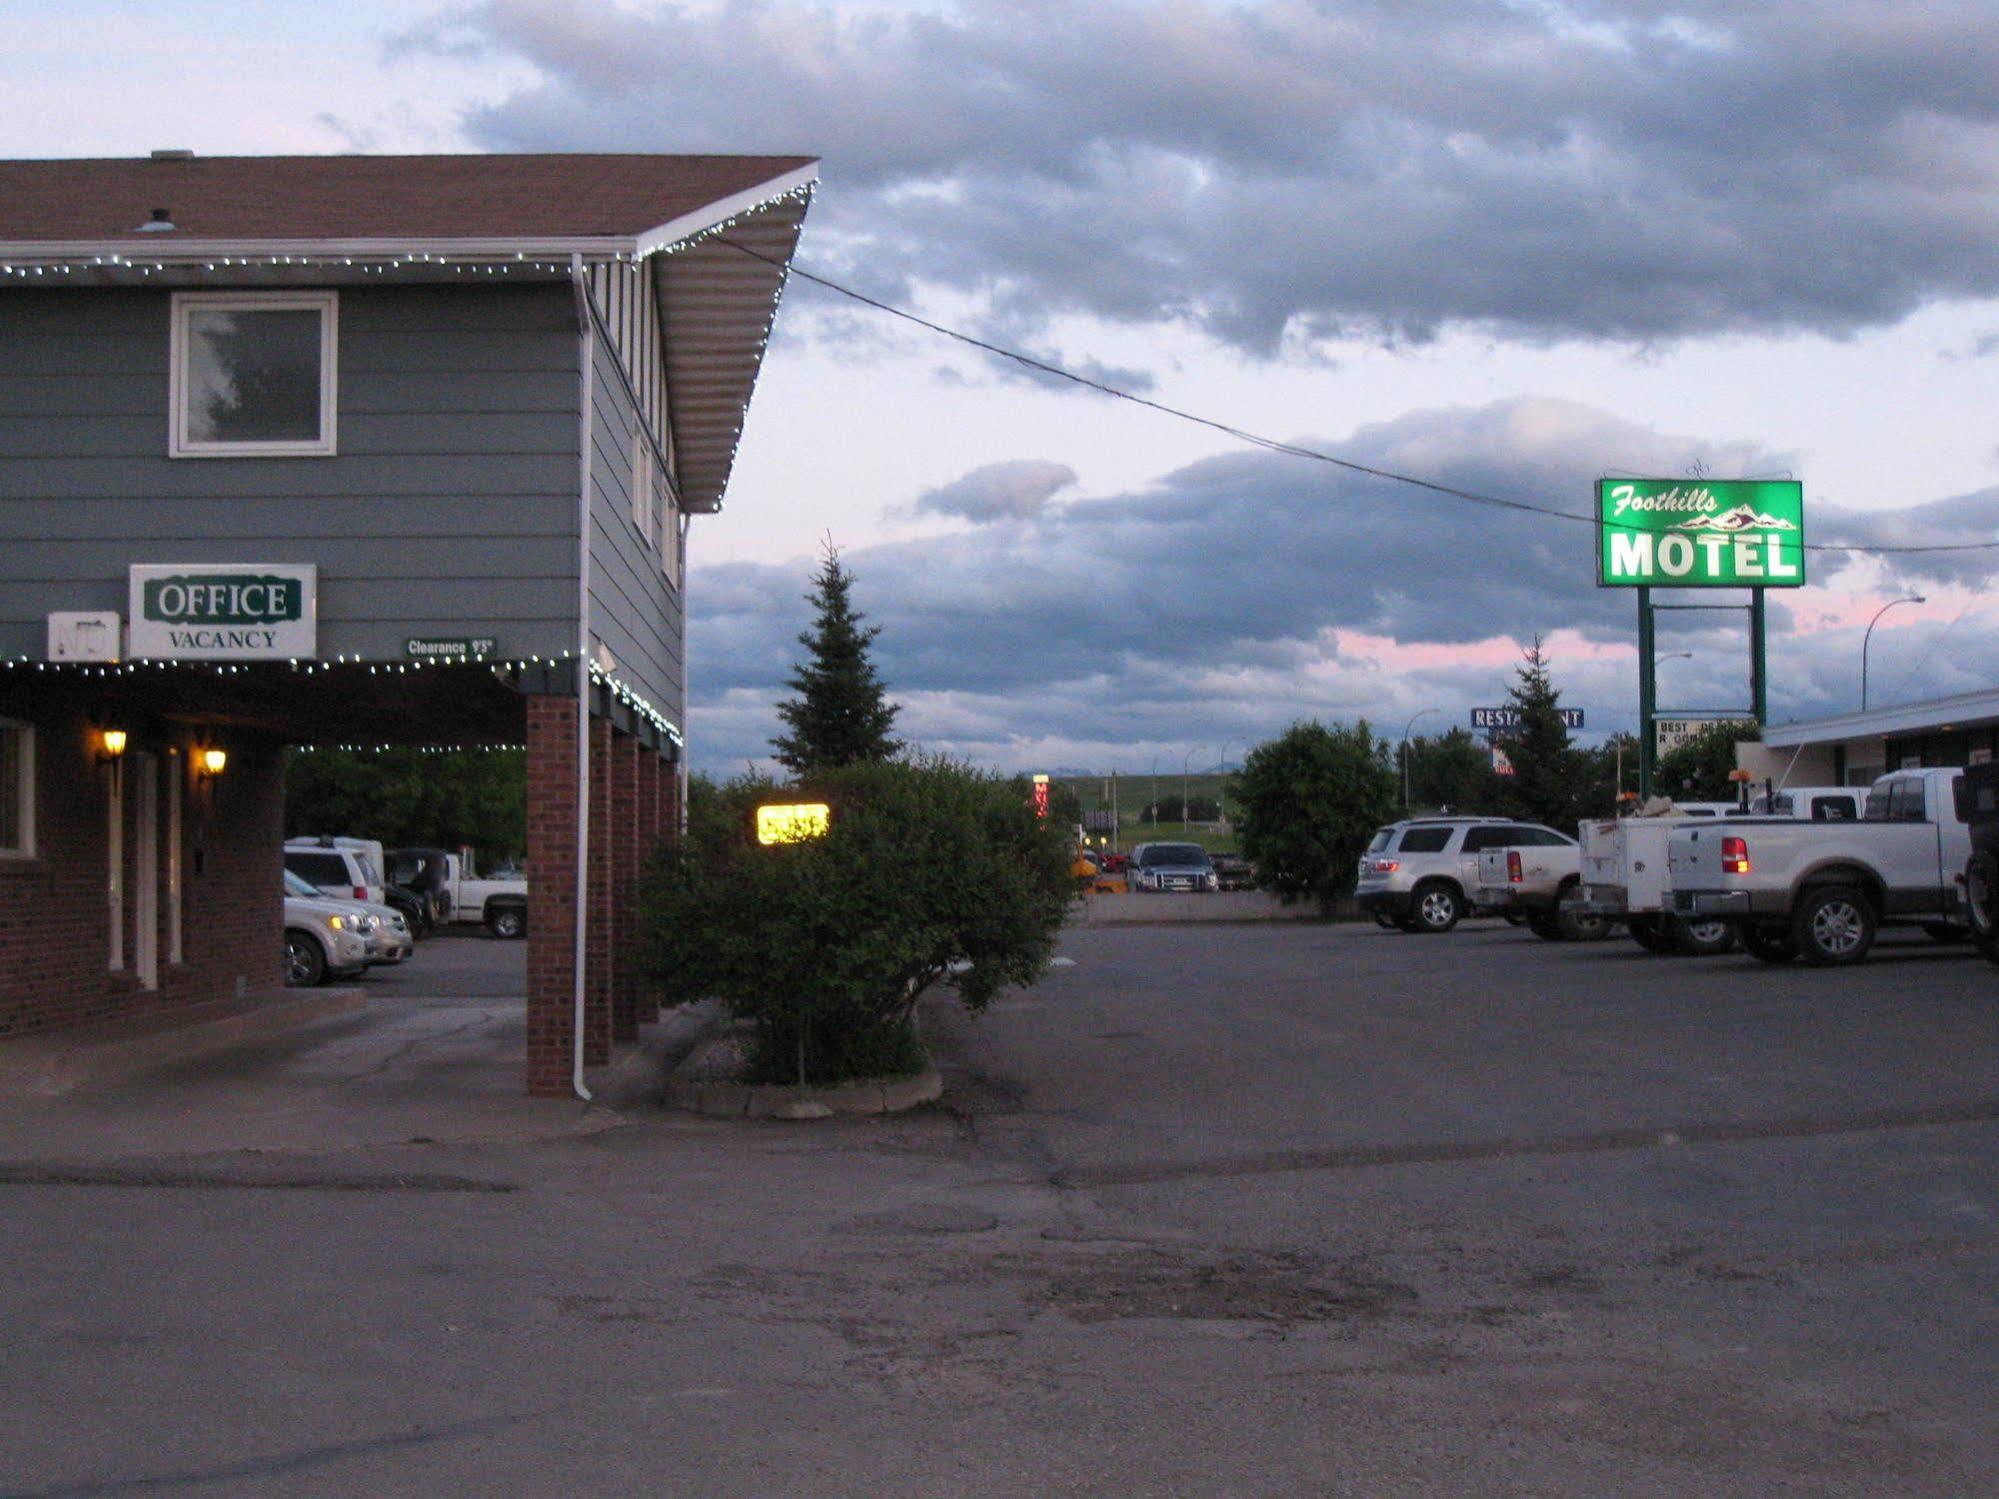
794, 823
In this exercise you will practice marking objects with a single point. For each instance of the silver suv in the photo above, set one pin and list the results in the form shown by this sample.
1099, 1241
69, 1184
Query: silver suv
1419, 874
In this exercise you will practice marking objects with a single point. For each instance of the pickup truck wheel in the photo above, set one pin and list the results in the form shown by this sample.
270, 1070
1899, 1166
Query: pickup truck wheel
1437, 907
508, 922
1577, 925
305, 960
1981, 902
1833, 926
1702, 939
1546, 925
1767, 943
1650, 933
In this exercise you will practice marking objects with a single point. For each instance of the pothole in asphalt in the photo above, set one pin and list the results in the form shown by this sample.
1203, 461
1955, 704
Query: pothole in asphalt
1274, 1288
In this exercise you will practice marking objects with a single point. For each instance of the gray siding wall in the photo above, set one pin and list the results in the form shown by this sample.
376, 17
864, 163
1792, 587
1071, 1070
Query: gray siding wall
449, 510
634, 610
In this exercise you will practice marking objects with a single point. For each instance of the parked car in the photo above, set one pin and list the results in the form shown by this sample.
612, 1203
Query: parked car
1157, 867
1233, 872
1978, 801
389, 937
1538, 874
340, 867
323, 938
1419, 874
1813, 803
500, 901
1822, 890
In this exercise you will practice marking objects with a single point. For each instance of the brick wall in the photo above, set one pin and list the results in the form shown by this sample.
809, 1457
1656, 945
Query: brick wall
55, 916
551, 869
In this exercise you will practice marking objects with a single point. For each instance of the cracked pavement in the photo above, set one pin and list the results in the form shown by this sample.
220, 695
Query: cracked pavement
1215, 1211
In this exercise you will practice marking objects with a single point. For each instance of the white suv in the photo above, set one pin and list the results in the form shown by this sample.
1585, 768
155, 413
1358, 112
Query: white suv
1418, 875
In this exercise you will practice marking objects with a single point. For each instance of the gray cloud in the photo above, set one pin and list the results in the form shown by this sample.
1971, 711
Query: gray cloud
1210, 604
1014, 490
1628, 169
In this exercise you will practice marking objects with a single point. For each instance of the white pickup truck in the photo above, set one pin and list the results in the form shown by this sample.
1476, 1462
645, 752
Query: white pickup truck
1624, 879
1822, 890
501, 902
1537, 881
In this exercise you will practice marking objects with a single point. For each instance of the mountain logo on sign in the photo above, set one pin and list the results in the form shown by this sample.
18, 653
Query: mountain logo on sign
1741, 518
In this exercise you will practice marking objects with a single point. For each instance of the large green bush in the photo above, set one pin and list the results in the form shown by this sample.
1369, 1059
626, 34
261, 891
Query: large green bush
930, 874
1310, 799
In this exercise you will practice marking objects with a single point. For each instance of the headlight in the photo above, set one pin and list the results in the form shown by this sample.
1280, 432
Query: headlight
338, 923
365, 923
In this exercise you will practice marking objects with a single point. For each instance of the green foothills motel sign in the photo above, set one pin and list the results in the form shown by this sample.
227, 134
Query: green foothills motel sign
1700, 533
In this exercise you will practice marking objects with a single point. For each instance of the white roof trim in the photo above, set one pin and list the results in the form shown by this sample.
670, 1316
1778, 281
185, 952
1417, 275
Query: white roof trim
711, 215
154, 249
1903, 718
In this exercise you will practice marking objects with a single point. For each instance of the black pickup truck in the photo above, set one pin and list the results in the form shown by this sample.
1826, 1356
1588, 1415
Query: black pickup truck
1978, 796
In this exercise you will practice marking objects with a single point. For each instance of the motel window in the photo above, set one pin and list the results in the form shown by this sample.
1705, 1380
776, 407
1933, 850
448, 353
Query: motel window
252, 374
17, 790
642, 487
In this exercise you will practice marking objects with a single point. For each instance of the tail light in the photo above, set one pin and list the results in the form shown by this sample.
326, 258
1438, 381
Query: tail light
1513, 866
1384, 866
360, 892
1734, 856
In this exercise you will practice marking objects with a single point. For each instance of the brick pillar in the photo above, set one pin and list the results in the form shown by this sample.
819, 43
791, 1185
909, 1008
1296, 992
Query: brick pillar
646, 774
601, 936
625, 847
551, 813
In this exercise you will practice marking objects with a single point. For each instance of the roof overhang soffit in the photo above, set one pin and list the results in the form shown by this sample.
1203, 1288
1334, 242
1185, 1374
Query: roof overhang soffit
717, 307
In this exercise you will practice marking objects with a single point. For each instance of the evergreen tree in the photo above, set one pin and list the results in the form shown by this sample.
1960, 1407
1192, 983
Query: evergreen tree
1549, 781
840, 715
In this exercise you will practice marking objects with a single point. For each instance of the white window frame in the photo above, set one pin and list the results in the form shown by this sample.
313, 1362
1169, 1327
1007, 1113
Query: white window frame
642, 485
25, 791
325, 303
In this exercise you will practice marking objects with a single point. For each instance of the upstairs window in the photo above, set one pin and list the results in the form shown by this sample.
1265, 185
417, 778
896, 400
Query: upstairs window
252, 374
17, 790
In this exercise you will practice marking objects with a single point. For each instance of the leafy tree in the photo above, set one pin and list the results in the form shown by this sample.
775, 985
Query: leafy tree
1548, 780
1697, 771
1309, 801
841, 715
407, 797
930, 874
1453, 770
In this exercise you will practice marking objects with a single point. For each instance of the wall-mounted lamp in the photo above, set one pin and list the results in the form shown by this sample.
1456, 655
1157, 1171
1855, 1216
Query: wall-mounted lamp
110, 745
211, 762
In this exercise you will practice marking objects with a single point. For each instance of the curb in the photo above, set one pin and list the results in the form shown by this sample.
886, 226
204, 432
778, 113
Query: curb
59, 1061
693, 1087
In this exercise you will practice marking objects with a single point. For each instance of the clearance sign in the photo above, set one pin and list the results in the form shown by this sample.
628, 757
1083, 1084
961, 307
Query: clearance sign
1700, 533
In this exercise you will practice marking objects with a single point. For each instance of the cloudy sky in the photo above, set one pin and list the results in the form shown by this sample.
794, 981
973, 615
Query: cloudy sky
1507, 244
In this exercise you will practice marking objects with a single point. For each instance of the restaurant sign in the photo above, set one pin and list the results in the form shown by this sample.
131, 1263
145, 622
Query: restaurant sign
1700, 533
225, 611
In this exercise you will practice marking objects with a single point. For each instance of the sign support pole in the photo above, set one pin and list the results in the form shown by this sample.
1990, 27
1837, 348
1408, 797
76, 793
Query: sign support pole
1759, 665
1647, 694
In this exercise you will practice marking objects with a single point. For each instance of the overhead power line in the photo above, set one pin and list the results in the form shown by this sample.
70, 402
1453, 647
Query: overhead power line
1259, 440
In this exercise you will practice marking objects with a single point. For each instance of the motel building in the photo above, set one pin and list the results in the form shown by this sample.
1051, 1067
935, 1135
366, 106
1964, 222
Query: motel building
353, 450
1853, 749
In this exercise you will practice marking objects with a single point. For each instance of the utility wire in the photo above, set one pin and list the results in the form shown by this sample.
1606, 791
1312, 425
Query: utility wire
1257, 439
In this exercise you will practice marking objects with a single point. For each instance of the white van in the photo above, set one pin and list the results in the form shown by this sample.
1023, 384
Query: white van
350, 868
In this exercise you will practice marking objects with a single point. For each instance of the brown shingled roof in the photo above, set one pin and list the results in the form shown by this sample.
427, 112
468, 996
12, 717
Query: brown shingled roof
368, 197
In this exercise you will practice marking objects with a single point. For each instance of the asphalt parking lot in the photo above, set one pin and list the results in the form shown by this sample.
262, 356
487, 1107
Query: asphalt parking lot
1214, 1210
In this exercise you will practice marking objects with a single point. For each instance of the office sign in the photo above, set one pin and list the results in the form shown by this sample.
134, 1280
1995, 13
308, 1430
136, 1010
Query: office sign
225, 611
1672, 733
1509, 718
1700, 533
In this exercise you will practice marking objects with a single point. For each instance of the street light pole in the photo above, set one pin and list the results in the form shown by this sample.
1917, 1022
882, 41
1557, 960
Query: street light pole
1221, 786
1420, 713
1186, 815
1867, 639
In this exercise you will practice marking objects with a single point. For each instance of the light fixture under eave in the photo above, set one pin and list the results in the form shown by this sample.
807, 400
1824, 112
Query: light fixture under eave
111, 744
211, 762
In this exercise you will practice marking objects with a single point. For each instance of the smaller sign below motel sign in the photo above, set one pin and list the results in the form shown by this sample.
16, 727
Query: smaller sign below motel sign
422, 648
1509, 718
225, 611
1700, 533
